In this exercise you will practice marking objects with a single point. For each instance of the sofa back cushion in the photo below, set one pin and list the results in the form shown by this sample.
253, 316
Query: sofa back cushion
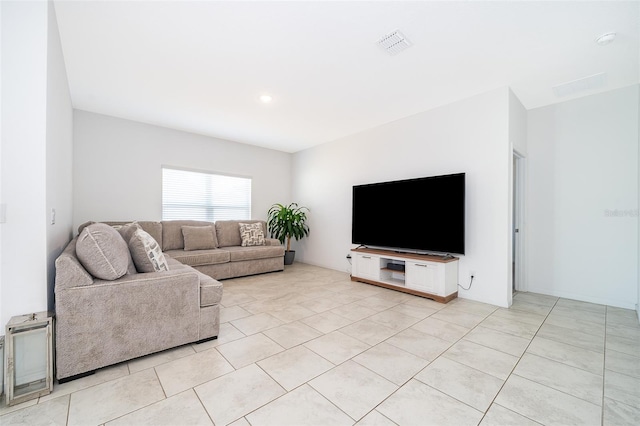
228, 231
172, 238
102, 251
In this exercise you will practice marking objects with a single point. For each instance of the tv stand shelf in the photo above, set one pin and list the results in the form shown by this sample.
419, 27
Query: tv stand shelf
430, 276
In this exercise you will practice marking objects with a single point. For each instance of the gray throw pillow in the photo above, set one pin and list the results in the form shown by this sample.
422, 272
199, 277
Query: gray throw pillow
102, 251
251, 234
146, 253
126, 231
199, 237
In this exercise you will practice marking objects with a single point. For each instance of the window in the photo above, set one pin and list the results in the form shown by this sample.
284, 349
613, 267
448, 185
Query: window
204, 196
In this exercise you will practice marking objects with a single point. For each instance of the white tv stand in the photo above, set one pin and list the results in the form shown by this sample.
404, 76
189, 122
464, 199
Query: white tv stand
433, 277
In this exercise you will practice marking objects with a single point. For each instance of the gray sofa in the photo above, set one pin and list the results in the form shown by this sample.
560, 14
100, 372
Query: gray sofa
100, 322
228, 260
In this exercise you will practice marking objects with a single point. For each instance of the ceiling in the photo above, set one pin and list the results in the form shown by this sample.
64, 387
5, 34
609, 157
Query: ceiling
200, 66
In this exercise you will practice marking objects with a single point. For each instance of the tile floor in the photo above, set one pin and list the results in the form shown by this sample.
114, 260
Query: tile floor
309, 347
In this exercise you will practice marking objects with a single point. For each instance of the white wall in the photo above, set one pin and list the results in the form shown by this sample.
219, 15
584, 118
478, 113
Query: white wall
117, 167
24, 132
583, 165
470, 136
59, 153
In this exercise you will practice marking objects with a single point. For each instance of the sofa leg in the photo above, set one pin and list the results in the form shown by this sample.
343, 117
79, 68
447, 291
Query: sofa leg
206, 340
77, 376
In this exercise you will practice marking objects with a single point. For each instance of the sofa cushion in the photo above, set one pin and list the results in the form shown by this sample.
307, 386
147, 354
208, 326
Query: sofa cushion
228, 231
102, 251
199, 237
251, 253
172, 237
146, 253
251, 234
200, 257
210, 290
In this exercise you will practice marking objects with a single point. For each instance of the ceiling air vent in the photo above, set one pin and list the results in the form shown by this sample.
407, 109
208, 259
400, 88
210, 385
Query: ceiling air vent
393, 43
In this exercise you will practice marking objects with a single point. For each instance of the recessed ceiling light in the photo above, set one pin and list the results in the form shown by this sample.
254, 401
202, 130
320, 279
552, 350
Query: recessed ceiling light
265, 99
605, 39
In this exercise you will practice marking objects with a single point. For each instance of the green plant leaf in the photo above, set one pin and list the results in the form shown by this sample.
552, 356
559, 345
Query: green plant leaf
286, 222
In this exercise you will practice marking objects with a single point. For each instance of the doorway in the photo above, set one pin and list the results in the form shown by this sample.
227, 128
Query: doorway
517, 235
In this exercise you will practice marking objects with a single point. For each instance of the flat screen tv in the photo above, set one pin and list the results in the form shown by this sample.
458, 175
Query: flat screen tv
424, 214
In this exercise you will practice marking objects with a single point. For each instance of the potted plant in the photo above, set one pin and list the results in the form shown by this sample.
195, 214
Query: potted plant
285, 222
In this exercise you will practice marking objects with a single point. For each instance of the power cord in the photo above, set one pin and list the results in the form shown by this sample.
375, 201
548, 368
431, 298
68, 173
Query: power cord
470, 284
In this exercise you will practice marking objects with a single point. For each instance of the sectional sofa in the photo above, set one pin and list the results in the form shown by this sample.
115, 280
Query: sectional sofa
110, 308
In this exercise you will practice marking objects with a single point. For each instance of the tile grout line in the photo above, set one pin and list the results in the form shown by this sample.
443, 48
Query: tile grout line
413, 377
203, 406
493, 401
286, 392
68, 410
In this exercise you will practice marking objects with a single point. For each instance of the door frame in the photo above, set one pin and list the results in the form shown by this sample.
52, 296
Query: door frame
519, 260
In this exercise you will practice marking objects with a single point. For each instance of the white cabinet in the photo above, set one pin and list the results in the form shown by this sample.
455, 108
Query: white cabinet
367, 266
423, 275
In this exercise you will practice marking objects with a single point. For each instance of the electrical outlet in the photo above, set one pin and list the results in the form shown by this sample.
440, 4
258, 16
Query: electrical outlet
349, 256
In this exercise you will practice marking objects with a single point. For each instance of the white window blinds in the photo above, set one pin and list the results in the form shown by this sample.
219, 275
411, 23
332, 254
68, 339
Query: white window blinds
204, 196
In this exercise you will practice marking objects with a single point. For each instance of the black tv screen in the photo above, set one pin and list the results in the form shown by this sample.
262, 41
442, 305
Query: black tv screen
424, 214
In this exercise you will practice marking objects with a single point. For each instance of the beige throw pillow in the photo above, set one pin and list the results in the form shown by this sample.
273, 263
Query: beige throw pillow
251, 234
102, 251
146, 253
199, 237
126, 231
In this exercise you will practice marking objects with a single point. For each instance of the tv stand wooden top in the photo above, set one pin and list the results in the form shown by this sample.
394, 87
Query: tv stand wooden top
416, 256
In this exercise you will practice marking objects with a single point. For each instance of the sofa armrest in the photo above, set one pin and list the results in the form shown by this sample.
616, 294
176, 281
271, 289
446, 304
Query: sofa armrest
272, 242
112, 321
69, 270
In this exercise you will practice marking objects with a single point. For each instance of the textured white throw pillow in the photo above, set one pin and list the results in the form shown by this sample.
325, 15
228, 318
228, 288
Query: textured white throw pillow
146, 253
252, 234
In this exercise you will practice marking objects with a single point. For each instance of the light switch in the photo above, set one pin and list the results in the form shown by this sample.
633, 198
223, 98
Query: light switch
53, 216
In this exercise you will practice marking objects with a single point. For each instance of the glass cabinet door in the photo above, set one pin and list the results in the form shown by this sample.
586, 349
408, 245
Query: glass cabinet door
29, 359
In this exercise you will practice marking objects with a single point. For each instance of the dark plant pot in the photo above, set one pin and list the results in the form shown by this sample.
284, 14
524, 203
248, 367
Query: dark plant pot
289, 256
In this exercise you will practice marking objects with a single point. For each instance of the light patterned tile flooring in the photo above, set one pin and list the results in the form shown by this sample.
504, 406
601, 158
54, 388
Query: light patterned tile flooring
309, 347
